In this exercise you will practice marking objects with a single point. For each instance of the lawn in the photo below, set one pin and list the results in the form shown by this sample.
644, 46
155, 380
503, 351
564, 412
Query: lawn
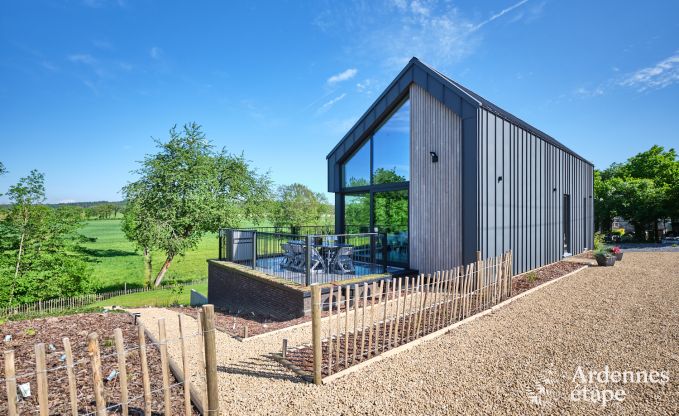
161, 297
116, 261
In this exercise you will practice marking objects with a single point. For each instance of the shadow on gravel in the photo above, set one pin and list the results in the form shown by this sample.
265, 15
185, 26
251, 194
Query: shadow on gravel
261, 367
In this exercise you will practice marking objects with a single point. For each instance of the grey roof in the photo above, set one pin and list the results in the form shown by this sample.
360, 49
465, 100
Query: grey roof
408, 75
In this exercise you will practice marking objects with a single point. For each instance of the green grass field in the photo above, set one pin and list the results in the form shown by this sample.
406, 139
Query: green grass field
116, 261
161, 297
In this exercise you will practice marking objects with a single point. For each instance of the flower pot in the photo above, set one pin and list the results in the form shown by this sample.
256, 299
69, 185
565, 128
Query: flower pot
606, 261
618, 256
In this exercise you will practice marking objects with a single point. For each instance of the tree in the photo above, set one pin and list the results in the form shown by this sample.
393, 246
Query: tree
297, 205
24, 195
2, 169
643, 190
40, 256
188, 189
141, 228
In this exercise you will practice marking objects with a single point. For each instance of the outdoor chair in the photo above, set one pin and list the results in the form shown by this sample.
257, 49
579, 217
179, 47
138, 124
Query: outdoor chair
344, 262
316, 259
299, 257
288, 255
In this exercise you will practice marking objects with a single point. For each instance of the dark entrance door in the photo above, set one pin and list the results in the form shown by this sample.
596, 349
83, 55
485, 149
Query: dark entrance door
566, 223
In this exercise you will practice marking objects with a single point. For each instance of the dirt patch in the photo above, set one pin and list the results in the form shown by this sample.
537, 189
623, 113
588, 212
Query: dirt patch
234, 323
51, 331
535, 278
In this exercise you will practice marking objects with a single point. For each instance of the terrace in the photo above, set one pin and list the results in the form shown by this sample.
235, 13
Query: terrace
310, 254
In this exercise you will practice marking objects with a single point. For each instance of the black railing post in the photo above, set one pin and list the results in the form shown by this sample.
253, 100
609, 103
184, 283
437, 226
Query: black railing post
221, 245
254, 249
309, 240
385, 252
228, 245
373, 246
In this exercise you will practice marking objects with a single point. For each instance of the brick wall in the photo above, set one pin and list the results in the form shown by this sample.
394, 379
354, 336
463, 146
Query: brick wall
235, 289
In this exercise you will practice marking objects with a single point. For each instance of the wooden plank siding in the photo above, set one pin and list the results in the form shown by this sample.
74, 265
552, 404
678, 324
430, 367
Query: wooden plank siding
522, 180
435, 188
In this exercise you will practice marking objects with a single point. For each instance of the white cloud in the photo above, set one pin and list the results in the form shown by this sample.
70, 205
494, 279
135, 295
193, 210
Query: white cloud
498, 15
156, 52
393, 31
365, 85
660, 75
325, 107
343, 76
584, 92
82, 58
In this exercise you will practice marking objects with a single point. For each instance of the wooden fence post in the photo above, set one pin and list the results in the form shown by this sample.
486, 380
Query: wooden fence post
210, 360
122, 368
186, 370
316, 331
97, 378
164, 366
146, 382
41, 373
330, 300
347, 297
71, 377
11, 383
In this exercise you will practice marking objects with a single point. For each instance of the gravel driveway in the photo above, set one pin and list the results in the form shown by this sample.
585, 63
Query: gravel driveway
625, 317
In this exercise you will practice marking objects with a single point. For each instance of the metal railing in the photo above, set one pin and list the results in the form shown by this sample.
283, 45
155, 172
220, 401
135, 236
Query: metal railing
306, 258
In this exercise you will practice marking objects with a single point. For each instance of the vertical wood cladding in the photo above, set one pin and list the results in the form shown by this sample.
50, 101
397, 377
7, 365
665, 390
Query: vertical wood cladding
435, 188
522, 181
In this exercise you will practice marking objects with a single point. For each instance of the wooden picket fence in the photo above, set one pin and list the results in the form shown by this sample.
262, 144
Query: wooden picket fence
66, 303
367, 320
192, 397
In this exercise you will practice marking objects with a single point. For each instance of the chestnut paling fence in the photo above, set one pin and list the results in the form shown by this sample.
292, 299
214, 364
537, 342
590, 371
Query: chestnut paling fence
205, 401
367, 320
73, 302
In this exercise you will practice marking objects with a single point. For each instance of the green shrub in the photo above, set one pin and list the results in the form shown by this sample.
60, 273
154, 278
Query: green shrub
598, 241
531, 277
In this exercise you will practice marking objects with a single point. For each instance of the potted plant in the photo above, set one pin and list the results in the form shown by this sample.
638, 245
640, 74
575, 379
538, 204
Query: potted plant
604, 258
617, 253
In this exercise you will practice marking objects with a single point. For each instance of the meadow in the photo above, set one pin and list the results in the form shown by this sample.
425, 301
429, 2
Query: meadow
116, 261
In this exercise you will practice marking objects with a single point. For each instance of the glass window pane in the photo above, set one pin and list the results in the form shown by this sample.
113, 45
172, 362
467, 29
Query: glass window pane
356, 170
357, 213
391, 147
391, 217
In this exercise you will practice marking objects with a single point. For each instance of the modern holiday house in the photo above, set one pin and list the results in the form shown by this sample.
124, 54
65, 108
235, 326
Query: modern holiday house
446, 173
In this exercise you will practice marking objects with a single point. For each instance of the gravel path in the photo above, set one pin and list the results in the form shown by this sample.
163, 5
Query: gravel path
669, 247
624, 317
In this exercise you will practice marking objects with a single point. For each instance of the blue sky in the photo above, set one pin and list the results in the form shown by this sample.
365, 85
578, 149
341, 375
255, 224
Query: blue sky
84, 85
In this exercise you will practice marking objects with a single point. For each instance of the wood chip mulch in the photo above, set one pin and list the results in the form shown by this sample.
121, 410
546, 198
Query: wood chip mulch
535, 278
234, 323
51, 331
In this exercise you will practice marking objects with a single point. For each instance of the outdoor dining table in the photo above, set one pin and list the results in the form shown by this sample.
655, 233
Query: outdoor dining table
328, 250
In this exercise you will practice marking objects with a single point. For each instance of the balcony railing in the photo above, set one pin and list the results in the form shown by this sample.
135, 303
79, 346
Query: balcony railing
306, 258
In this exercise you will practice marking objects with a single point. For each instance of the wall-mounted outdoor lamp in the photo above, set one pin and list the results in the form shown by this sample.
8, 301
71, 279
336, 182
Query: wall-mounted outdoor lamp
434, 157
554, 190
499, 178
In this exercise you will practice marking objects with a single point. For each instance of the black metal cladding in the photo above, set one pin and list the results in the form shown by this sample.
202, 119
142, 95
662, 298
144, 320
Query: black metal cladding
522, 211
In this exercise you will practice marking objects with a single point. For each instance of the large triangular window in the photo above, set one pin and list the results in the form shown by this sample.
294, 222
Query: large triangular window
390, 148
